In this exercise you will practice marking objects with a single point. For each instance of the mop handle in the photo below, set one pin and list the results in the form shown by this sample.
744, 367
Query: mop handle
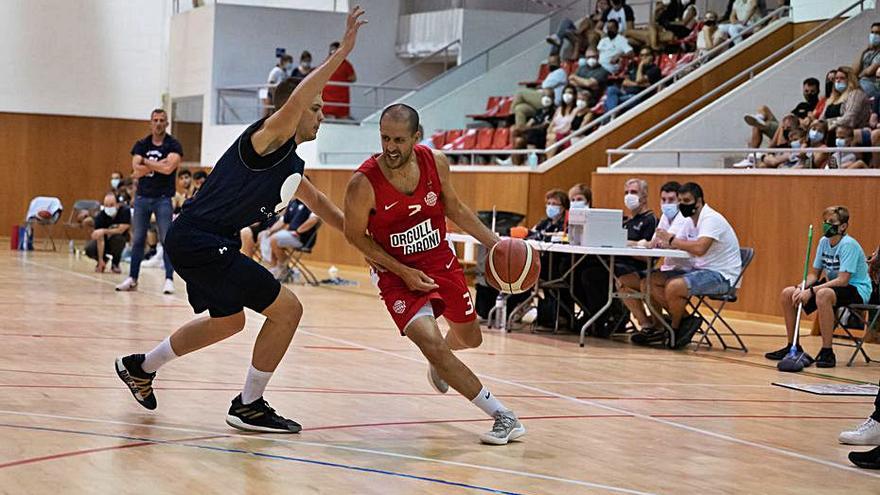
797, 320
807, 259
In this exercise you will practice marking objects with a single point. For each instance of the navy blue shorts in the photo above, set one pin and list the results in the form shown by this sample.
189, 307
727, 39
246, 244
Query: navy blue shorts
218, 277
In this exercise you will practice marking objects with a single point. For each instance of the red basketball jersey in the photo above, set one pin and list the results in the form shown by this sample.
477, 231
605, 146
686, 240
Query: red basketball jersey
411, 228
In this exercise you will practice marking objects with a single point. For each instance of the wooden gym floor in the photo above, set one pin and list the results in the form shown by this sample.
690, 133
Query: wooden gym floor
609, 418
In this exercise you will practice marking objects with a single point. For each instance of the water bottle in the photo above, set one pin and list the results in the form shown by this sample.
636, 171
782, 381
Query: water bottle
500, 311
533, 160
70, 247
333, 272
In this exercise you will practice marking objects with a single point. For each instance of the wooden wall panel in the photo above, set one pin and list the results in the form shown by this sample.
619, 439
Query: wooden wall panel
190, 136
770, 213
578, 167
67, 157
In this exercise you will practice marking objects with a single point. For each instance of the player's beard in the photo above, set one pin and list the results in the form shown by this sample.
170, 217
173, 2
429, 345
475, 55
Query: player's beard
399, 162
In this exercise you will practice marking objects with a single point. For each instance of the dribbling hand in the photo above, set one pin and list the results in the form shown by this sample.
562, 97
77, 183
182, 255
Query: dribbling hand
417, 281
352, 24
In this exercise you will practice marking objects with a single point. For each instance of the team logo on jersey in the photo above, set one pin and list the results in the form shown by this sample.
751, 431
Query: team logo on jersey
431, 199
399, 307
421, 237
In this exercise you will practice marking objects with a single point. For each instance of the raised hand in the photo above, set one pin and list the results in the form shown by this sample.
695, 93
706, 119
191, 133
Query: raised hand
352, 25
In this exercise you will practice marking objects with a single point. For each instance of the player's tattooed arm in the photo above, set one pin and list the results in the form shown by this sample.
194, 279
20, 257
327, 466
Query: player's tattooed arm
359, 201
457, 211
320, 204
281, 126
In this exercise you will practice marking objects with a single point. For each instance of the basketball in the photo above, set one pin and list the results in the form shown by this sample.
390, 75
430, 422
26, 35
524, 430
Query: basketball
512, 266
44, 214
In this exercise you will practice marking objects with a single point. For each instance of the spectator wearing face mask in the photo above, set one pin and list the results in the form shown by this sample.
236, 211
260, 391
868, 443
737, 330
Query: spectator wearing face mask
560, 124
590, 75
305, 65
533, 134
764, 122
115, 180
612, 47
816, 138
583, 111
838, 278
641, 75
579, 36
619, 12
706, 39
850, 107
716, 257
110, 234
784, 159
278, 73
640, 225
844, 159
580, 196
528, 102
868, 64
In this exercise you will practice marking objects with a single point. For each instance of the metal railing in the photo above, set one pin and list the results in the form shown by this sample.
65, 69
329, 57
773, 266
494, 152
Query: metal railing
444, 50
244, 103
738, 79
744, 152
640, 98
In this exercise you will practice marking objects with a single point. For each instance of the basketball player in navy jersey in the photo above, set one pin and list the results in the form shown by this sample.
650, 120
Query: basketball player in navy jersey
256, 177
396, 207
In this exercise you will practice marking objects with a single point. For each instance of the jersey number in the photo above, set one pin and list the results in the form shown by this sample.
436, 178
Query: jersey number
414, 209
470, 304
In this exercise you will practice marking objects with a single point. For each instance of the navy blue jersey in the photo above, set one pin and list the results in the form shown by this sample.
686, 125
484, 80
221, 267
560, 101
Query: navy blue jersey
296, 214
154, 184
245, 188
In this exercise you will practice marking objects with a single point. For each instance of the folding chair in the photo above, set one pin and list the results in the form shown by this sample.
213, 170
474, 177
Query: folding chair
866, 317
88, 205
746, 255
295, 261
44, 211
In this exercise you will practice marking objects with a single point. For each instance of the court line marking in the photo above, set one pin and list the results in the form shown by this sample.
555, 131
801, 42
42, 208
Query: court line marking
673, 424
186, 443
322, 445
619, 410
75, 453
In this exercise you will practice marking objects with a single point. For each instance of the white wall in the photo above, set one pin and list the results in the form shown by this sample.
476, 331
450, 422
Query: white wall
778, 87
191, 52
811, 10
101, 58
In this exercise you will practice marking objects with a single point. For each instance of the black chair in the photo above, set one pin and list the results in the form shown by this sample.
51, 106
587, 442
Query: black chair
88, 205
295, 262
746, 255
865, 317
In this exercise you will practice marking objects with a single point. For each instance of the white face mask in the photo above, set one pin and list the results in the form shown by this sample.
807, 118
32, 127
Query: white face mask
581, 103
546, 101
568, 98
592, 61
110, 211
631, 201
305, 65
114, 183
578, 204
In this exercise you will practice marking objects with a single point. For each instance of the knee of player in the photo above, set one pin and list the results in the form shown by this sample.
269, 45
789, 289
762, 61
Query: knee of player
473, 339
824, 297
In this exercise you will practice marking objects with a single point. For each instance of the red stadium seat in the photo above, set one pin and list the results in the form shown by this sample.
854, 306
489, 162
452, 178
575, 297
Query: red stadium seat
501, 140
452, 135
504, 110
543, 70
570, 66
484, 138
439, 139
491, 108
467, 141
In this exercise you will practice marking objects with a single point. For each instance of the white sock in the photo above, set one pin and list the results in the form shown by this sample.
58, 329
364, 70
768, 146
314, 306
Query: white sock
488, 403
158, 357
254, 385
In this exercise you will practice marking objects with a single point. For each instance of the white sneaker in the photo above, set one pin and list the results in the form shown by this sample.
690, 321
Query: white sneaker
169, 286
279, 272
506, 428
747, 162
756, 120
530, 316
436, 382
867, 433
128, 285
157, 261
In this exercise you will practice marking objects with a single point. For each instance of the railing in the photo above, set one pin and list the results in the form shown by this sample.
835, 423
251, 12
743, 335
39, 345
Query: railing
744, 152
738, 79
444, 50
178, 6
244, 104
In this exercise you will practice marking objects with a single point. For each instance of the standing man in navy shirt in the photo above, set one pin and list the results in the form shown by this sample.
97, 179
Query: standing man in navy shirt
155, 159
254, 180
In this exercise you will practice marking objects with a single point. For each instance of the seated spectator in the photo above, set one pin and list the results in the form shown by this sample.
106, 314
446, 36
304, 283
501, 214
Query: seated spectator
787, 159
198, 179
557, 204
590, 75
583, 111
612, 47
580, 196
560, 124
640, 225
844, 159
533, 134
672, 19
641, 75
619, 12
115, 180
816, 139
838, 278
126, 191
708, 38
743, 14
850, 107
780, 140
764, 123
599, 11
288, 232
110, 234
580, 36
867, 67
305, 65
527, 102
183, 190
716, 258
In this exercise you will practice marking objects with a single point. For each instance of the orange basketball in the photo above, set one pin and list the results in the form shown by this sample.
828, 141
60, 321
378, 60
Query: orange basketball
44, 214
512, 266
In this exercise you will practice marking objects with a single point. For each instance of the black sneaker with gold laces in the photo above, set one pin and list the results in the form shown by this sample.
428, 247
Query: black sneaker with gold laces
258, 416
138, 381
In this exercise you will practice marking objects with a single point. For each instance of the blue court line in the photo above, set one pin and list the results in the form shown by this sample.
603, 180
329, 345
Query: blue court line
265, 455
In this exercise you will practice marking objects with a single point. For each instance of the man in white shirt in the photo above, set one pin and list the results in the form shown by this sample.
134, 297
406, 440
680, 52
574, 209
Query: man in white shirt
612, 47
527, 102
717, 261
280, 72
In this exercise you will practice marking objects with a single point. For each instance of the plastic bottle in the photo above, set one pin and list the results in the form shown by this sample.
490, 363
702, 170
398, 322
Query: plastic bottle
533, 160
333, 272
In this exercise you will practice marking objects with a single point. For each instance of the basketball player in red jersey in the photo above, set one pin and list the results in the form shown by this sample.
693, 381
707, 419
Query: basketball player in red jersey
395, 213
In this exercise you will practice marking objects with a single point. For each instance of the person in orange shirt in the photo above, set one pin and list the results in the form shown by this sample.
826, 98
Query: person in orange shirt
337, 98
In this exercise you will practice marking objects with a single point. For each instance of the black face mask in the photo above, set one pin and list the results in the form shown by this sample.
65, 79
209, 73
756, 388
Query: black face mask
812, 98
687, 211
612, 35
829, 85
785, 133
552, 67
